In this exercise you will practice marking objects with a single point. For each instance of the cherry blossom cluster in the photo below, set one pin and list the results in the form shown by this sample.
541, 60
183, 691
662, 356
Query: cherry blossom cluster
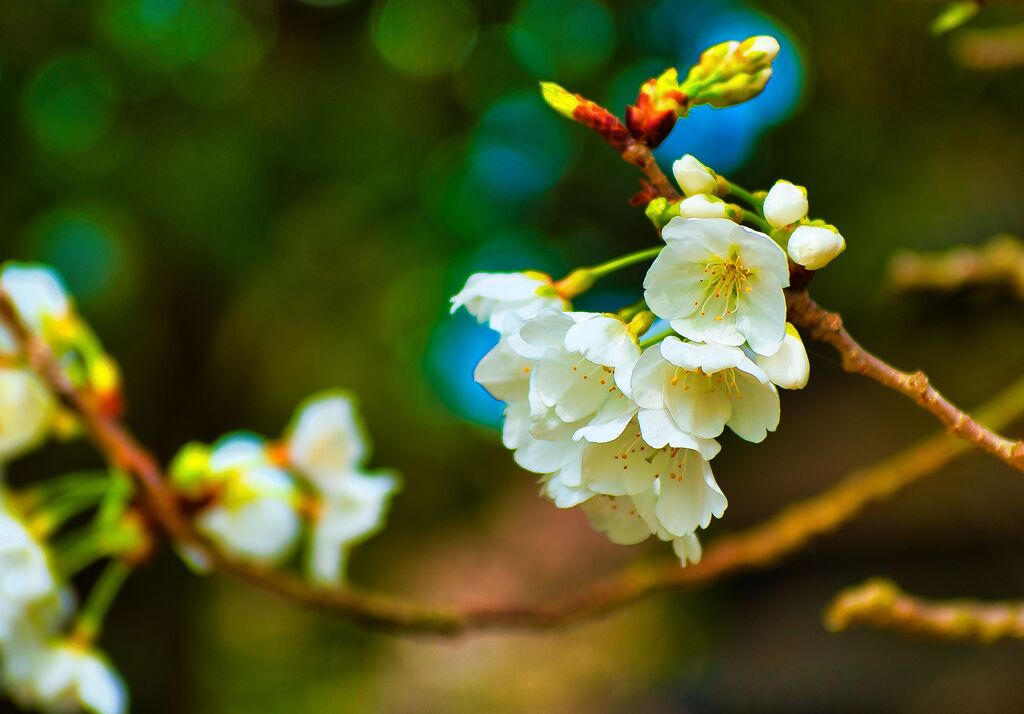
258, 500
47, 660
620, 413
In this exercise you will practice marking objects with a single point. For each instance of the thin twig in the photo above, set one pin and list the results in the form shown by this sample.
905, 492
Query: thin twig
882, 604
826, 326
759, 546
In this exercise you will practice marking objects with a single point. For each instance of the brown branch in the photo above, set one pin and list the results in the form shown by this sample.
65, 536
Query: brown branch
826, 326
759, 546
643, 158
1000, 261
880, 603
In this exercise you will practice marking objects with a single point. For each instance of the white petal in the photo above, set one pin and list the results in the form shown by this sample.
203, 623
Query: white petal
687, 548
610, 420
326, 436
757, 412
504, 373
617, 518
789, 367
660, 430
603, 340
689, 496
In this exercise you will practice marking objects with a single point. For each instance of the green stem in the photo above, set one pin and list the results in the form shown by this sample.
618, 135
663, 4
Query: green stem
657, 338
599, 271
756, 220
79, 550
745, 195
90, 618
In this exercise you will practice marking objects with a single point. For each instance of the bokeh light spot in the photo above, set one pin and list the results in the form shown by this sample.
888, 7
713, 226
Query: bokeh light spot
562, 39
424, 38
70, 104
87, 248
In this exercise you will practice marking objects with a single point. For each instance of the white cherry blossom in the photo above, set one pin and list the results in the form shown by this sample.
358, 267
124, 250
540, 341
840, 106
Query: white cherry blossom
37, 292
352, 511
326, 438
704, 388
55, 675
253, 515
579, 374
717, 281
26, 411
493, 297
29, 589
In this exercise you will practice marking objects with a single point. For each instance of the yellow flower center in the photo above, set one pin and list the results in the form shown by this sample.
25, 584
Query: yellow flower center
726, 281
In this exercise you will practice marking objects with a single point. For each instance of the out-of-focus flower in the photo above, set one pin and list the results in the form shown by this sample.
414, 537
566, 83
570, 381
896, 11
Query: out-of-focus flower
705, 388
43, 303
37, 292
788, 368
785, 204
717, 281
352, 511
27, 409
327, 447
814, 247
493, 297
326, 438
60, 676
251, 511
694, 177
26, 578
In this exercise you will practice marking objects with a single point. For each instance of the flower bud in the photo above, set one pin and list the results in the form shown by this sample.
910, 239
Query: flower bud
758, 52
703, 206
814, 247
660, 103
588, 113
785, 204
660, 211
731, 72
693, 176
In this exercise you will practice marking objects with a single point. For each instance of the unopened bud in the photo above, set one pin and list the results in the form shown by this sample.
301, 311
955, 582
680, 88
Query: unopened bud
641, 323
703, 206
586, 112
660, 211
660, 103
731, 72
575, 283
694, 177
814, 247
785, 204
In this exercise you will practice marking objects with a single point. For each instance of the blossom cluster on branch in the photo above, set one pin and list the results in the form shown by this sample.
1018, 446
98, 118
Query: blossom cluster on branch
619, 412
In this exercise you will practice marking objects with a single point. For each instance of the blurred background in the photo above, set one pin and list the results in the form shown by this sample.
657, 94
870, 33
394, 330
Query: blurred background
256, 200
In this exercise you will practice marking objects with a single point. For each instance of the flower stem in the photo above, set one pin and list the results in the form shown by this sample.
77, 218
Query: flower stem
90, 618
745, 195
599, 271
756, 220
657, 338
